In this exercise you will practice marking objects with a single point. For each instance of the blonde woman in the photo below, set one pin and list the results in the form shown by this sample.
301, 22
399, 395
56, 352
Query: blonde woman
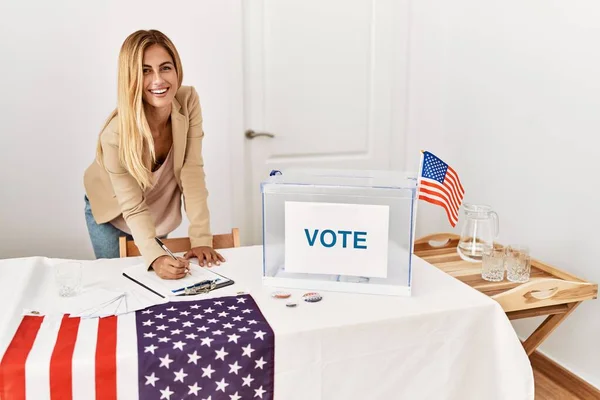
149, 155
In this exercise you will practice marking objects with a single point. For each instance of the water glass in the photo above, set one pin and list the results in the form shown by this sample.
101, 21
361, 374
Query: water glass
492, 266
518, 263
68, 278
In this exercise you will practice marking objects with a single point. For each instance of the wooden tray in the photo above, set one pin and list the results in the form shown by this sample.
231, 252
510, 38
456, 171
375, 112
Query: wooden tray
548, 286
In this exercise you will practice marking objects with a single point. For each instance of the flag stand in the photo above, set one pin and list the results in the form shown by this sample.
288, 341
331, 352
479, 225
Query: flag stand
414, 227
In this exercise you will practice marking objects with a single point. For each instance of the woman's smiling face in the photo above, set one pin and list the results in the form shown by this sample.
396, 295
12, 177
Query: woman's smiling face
160, 77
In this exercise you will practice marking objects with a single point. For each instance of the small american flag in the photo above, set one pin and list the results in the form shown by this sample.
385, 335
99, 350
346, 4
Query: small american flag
208, 349
439, 184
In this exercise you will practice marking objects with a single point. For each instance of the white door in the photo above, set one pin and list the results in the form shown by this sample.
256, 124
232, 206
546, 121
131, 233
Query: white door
324, 85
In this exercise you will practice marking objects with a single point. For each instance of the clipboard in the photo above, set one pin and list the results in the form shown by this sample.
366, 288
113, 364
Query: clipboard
201, 280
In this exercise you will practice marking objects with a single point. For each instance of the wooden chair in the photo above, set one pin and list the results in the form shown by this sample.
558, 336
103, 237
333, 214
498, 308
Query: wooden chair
127, 248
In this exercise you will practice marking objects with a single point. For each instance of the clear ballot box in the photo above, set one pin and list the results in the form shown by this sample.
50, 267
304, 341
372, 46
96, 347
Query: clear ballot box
339, 230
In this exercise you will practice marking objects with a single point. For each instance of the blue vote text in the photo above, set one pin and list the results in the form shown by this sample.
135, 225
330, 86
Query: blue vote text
329, 238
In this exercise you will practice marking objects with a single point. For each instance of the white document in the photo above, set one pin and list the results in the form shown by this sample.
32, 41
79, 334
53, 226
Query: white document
101, 302
338, 239
168, 287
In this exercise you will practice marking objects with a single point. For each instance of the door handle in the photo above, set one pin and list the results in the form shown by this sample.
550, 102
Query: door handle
250, 134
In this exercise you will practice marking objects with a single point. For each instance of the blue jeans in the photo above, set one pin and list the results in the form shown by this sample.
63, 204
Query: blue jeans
104, 237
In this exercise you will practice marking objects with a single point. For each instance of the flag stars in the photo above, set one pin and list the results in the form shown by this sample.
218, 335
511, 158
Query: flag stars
151, 379
260, 335
248, 350
260, 363
247, 380
233, 338
208, 371
165, 361
221, 385
166, 394
147, 312
434, 168
180, 375
234, 368
178, 345
221, 354
150, 349
194, 357
259, 392
238, 350
194, 389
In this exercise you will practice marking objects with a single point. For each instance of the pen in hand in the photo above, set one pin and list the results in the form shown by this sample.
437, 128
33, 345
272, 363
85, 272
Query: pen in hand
165, 248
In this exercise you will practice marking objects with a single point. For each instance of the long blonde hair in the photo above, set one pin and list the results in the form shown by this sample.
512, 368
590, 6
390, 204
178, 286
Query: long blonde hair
136, 145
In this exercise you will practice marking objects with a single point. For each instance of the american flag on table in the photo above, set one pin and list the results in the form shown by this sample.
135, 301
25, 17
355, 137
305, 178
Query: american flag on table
209, 349
439, 184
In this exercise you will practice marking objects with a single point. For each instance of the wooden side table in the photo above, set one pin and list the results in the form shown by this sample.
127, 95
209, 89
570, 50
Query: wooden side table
550, 291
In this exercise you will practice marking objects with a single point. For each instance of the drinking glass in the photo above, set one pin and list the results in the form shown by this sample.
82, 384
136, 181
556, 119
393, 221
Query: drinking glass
492, 266
68, 278
518, 263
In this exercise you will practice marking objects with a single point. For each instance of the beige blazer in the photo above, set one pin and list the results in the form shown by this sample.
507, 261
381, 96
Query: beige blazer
113, 191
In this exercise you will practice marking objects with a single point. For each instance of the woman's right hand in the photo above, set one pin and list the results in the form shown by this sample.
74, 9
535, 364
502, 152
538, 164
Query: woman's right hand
167, 268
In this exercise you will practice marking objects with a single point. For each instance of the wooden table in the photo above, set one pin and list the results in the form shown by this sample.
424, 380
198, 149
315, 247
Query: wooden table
550, 291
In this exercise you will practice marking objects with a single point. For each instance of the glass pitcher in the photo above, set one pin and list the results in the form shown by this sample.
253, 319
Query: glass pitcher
479, 230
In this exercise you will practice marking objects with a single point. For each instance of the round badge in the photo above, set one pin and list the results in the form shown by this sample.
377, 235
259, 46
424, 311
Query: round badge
281, 295
312, 297
291, 304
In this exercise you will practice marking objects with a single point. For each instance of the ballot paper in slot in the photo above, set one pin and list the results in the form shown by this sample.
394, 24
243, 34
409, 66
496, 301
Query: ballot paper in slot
199, 280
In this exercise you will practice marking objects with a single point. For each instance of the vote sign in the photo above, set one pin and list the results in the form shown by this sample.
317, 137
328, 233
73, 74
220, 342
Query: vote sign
337, 239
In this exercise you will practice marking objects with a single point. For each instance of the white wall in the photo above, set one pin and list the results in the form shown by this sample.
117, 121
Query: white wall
59, 82
509, 94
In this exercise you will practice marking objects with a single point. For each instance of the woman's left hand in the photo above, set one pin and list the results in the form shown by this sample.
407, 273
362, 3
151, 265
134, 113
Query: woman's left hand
206, 256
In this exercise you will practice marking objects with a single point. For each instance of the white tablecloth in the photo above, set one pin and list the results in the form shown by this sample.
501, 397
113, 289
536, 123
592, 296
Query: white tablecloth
446, 341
